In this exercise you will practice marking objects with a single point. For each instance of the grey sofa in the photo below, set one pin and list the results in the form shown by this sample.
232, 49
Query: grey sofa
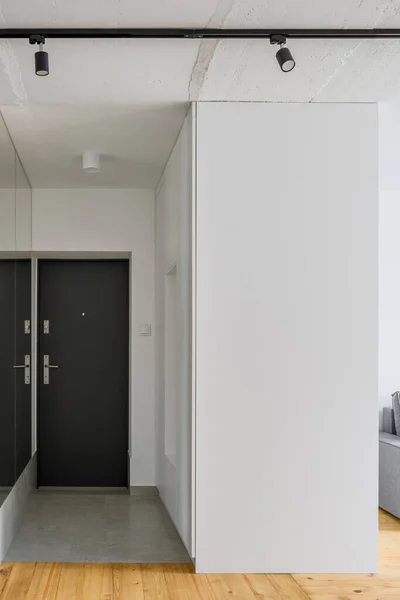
389, 465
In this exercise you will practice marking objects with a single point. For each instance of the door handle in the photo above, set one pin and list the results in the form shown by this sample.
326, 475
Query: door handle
27, 367
46, 367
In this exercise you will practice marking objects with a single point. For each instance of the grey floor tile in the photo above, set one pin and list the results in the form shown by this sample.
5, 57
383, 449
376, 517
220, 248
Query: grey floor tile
89, 552
146, 546
38, 551
136, 555
81, 527
38, 554
141, 518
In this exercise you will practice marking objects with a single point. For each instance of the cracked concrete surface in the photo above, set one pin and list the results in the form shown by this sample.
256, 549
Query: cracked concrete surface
207, 50
346, 57
200, 68
135, 71
11, 67
13, 71
389, 11
128, 97
54, 10
246, 70
119, 13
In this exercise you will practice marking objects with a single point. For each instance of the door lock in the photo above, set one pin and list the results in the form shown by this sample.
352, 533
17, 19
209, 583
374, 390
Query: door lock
27, 367
46, 369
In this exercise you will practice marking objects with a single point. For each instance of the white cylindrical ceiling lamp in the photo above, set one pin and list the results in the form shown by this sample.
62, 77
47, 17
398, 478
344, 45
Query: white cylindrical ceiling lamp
91, 162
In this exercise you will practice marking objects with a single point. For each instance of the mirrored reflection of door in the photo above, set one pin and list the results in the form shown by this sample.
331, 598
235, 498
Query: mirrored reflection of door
15, 312
7, 377
15, 371
7, 312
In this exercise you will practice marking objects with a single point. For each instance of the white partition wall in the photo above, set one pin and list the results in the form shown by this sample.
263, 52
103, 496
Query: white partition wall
286, 407
173, 334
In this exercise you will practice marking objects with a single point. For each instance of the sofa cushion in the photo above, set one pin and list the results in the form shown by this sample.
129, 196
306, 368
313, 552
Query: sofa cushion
388, 425
396, 410
390, 439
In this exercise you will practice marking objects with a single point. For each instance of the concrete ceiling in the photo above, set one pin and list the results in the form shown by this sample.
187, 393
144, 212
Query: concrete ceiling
127, 98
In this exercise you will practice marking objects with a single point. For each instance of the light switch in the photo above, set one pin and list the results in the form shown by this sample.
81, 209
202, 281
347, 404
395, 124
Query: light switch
145, 329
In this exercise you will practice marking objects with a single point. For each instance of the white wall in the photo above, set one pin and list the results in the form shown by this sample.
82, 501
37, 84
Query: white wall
173, 239
389, 254
23, 210
119, 221
286, 407
7, 220
15, 217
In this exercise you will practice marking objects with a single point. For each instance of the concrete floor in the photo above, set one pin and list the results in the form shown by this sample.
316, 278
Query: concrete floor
82, 527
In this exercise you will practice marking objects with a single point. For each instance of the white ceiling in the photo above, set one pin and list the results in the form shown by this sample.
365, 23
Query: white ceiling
127, 98
134, 143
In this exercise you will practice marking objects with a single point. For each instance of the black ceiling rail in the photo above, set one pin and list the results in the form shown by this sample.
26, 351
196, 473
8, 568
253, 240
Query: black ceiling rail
193, 33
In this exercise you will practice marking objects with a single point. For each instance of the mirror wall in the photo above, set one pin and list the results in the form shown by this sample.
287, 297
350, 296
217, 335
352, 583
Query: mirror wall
15, 315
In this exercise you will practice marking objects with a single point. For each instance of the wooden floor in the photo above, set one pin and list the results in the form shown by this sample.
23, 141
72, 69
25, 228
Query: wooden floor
49, 581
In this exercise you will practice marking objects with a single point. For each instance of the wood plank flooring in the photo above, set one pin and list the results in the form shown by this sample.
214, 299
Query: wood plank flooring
69, 581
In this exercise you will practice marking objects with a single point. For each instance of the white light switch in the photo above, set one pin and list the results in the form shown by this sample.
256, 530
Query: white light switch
145, 329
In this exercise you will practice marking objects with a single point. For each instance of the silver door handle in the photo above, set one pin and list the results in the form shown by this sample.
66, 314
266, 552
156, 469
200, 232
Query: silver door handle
27, 367
46, 367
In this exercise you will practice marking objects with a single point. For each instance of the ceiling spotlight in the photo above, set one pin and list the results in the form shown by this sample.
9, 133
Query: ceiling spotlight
41, 62
41, 57
91, 162
283, 56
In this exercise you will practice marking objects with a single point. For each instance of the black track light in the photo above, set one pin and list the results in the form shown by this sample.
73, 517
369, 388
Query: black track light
41, 62
285, 59
41, 57
283, 56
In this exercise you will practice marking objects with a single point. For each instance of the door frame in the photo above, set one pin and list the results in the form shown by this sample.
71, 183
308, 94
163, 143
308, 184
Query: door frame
84, 256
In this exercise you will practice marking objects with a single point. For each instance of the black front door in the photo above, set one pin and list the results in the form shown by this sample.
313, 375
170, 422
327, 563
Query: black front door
84, 393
